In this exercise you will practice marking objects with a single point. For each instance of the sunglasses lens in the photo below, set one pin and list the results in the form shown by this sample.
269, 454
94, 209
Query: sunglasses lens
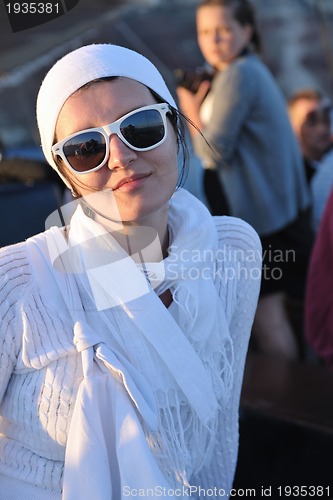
143, 129
85, 151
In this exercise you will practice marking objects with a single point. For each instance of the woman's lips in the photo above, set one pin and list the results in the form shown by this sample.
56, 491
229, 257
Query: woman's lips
132, 182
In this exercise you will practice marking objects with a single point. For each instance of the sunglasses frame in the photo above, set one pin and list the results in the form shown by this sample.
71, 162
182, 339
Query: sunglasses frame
110, 129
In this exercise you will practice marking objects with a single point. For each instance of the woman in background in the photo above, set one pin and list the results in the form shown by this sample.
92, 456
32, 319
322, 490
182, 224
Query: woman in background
249, 145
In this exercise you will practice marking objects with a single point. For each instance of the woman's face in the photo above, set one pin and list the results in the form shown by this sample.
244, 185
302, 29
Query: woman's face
141, 183
221, 37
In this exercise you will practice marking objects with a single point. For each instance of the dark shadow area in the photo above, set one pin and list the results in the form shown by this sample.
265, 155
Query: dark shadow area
286, 426
24, 209
277, 453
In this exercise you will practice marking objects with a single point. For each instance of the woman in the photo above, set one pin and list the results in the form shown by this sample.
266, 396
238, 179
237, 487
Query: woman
252, 152
125, 328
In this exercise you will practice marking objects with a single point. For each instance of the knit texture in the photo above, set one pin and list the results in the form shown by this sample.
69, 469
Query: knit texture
40, 368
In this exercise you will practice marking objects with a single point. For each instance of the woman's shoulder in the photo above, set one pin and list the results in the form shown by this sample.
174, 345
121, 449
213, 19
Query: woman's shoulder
14, 258
253, 72
16, 287
244, 65
16, 269
249, 62
236, 233
242, 73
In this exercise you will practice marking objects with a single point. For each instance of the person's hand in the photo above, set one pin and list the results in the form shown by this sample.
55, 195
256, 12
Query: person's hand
190, 103
203, 90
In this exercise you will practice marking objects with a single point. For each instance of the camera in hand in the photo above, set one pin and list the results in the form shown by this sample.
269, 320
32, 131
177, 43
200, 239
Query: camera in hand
191, 78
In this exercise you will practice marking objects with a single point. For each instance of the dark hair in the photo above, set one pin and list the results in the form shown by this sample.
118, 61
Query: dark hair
176, 121
243, 12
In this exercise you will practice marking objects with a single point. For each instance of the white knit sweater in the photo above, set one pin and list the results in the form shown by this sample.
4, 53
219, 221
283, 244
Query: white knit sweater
40, 368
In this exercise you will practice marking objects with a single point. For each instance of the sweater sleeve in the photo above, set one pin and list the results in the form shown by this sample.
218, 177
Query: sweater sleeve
233, 94
14, 279
239, 285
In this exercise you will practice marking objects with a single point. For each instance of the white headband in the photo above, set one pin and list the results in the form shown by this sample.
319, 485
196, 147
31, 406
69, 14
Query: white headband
82, 66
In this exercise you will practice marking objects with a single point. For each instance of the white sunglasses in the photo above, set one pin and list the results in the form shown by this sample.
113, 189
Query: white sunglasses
88, 150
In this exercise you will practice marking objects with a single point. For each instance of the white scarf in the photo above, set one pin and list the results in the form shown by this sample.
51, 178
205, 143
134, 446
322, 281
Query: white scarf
145, 416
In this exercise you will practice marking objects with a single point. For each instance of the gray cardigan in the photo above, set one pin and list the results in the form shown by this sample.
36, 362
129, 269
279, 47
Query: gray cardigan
256, 152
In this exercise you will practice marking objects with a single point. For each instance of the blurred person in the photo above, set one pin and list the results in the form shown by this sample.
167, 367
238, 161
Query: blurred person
124, 332
321, 187
310, 116
319, 290
248, 142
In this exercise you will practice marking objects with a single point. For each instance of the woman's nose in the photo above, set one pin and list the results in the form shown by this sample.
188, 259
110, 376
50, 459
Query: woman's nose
217, 36
120, 155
